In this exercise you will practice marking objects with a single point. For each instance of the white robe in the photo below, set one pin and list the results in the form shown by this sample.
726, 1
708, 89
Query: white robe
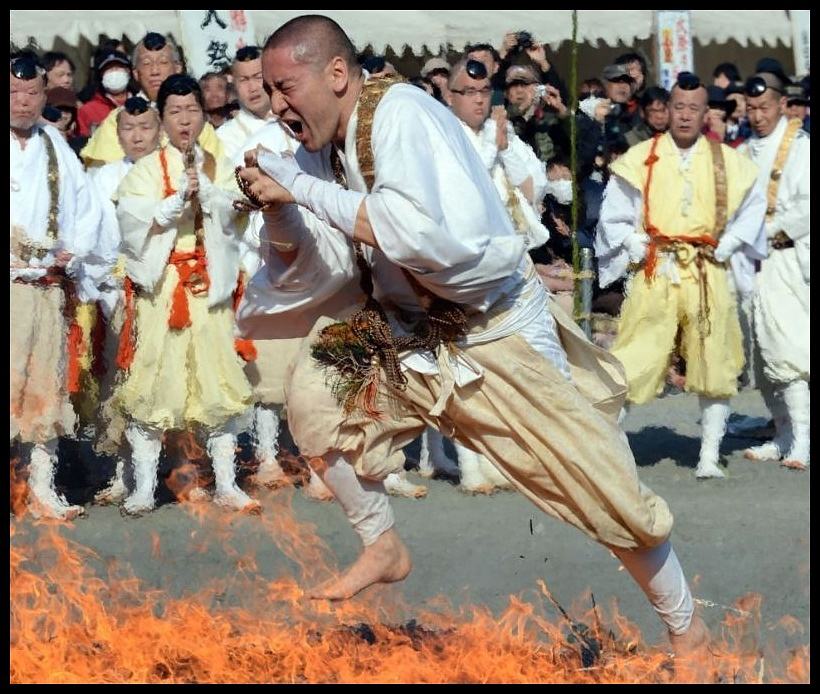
234, 133
435, 212
509, 169
79, 211
284, 301
106, 179
782, 310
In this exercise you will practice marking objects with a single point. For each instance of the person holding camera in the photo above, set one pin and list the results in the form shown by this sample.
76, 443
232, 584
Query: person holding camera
518, 43
598, 129
536, 112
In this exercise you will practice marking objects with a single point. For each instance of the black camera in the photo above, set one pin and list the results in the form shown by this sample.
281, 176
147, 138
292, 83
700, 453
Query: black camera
524, 40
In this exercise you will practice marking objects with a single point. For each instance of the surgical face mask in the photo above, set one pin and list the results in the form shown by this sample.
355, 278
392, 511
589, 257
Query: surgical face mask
562, 191
115, 81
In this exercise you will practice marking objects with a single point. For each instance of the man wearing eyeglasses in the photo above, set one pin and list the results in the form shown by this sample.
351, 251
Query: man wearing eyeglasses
54, 222
677, 209
254, 103
521, 182
154, 59
441, 265
781, 303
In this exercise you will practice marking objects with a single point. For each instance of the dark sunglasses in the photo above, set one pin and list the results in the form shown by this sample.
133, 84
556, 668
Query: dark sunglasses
247, 53
136, 105
154, 41
26, 68
476, 70
756, 86
689, 81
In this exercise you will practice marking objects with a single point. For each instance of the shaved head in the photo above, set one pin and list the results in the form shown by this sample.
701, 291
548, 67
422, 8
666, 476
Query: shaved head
314, 40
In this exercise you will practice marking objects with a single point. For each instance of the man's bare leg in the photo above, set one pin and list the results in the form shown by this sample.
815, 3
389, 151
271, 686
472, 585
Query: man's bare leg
385, 558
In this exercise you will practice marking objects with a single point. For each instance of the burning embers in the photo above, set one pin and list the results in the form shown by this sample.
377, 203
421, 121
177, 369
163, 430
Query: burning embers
77, 617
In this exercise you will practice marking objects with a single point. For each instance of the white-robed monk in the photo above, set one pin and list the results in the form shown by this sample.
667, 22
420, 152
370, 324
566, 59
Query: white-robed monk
54, 221
138, 132
781, 304
254, 104
521, 181
454, 335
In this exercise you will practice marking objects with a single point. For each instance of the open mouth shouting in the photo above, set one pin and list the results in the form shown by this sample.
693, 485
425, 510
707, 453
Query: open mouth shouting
295, 128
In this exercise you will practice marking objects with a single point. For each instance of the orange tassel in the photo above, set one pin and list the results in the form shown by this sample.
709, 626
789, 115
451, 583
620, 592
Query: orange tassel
125, 351
75, 351
180, 316
98, 366
245, 349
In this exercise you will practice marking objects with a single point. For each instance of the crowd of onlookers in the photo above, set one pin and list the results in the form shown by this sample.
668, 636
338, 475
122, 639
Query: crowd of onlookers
615, 110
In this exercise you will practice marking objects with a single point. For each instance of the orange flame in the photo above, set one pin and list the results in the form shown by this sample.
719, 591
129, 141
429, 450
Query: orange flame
73, 621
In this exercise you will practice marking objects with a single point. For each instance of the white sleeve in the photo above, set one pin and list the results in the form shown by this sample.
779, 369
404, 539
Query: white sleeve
520, 163
283, 300
795, 217
620, 217
746, 233
84, 230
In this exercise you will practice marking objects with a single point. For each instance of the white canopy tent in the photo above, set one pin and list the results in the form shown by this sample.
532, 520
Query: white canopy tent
418, 28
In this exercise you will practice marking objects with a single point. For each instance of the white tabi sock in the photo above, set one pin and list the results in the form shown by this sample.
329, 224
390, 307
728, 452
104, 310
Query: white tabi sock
659, 574
365, 502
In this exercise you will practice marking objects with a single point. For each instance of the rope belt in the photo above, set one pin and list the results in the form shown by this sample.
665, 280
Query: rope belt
356, 349
687, 249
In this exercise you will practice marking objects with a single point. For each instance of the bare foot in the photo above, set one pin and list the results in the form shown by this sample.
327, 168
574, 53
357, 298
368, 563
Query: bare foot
385, 561
693, 640
693, 657
794, 465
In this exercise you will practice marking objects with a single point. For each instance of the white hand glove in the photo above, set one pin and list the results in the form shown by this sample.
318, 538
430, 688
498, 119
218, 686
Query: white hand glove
170, 209
27, 273
726, 247
635, 245
327, 200
282, 168
206, 187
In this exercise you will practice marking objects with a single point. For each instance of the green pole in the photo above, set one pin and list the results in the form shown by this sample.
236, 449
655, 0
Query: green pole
573, 165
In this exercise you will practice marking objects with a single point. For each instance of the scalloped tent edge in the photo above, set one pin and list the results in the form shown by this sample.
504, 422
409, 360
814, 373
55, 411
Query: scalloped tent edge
420, 28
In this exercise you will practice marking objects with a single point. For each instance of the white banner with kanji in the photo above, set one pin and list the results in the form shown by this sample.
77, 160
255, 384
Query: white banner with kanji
210, 38
801, 31
674, 38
